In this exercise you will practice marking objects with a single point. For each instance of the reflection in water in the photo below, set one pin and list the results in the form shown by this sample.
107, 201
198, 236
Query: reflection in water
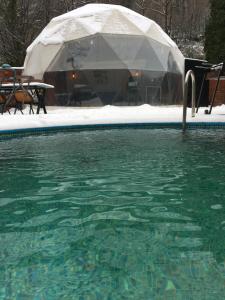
113, 215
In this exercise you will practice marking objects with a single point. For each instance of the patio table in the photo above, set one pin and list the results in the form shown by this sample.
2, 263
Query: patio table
37, 88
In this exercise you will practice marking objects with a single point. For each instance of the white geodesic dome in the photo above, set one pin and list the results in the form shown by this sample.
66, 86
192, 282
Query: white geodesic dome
104, 37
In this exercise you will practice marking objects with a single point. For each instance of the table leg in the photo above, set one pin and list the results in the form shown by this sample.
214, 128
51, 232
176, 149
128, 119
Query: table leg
41, 101
215, 91
201, 90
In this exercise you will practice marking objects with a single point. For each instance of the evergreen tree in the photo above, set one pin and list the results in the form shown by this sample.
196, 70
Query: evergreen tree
215, 33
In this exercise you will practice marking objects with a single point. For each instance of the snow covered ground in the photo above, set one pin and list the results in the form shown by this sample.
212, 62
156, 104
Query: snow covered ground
67, 116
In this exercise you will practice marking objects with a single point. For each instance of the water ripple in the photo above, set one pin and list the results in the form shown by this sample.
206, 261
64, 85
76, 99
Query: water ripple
113, 215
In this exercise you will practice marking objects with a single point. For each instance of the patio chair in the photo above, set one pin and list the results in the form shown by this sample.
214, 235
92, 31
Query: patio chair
2, 102
7, 75
23, 95
3, 105
22, 98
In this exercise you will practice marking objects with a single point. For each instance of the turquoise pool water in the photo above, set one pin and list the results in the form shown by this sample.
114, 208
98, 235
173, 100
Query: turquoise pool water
121, 214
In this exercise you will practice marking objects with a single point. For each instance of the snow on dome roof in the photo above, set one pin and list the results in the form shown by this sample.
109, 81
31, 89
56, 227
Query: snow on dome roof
99, 18
93, 9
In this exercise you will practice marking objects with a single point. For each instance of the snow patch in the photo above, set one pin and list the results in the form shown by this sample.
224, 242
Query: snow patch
69, 116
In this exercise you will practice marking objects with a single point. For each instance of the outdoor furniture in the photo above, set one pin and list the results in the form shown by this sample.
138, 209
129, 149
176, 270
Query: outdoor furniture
17, 90
7, 75
23, 97
208, 68
30, 89
2, 102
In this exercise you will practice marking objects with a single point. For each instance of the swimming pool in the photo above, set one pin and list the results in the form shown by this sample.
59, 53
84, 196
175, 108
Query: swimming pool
113, 214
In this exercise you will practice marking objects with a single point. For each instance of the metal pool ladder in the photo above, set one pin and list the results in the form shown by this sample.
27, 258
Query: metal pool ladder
190, 75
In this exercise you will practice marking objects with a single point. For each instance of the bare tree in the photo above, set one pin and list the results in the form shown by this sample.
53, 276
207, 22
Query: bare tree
19, 21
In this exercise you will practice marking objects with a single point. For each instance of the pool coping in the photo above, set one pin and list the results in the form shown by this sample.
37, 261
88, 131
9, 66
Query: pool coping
88, 127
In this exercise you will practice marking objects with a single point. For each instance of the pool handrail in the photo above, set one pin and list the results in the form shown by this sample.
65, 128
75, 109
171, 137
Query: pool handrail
190, 75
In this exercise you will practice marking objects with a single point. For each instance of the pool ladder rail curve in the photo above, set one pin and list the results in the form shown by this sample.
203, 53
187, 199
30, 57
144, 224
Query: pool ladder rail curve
207, 68
190, 75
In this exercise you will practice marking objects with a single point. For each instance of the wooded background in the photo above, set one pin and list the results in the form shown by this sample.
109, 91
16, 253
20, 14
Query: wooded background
22, 20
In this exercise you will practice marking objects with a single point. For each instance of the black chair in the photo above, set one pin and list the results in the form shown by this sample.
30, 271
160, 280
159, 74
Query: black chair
7, 76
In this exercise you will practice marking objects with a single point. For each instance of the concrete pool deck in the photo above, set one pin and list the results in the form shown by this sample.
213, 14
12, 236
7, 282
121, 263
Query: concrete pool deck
62, 117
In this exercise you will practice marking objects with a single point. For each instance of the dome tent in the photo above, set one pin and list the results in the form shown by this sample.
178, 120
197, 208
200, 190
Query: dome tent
107, 54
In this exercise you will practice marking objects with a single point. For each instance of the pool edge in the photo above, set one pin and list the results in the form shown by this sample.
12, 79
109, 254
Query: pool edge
153, 125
